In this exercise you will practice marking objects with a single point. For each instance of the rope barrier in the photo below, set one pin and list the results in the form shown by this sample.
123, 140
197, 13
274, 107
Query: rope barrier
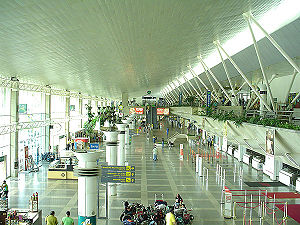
248, 207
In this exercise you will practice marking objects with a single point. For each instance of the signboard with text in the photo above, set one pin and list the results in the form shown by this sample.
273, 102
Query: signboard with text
138, 111
118, 174
163, 111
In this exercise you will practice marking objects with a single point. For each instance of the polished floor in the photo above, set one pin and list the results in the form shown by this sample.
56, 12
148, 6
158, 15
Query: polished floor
168, 176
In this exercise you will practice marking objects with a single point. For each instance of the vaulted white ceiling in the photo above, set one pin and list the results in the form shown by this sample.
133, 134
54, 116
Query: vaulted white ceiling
107, 47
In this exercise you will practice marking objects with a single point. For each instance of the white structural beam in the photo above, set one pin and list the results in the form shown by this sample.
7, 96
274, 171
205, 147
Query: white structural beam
216, 79
199, 88
4, 82
168, 98
176, 95
208, 77
260, 63
183, 88
291, 85
277, 46
227, 73
194, 88
195, 75
245, 78
240, 88
187, 84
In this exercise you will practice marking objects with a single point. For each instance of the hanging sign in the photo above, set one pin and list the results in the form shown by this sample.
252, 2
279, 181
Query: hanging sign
163, 111
208, 98
138, 111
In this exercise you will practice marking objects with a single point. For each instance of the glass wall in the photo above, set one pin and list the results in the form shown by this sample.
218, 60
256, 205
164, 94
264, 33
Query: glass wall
5, 138
31, 108
58, 133
75, 115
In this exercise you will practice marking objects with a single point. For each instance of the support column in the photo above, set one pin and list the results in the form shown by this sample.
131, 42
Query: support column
263, 94
80, 111
111, 155
125, 103
67, 117
126, 131
87, 187
14, 137
47, 117
241, 151
121, 147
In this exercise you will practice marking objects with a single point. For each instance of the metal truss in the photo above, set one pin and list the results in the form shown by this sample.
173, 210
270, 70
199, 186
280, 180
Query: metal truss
14, 84
14, 127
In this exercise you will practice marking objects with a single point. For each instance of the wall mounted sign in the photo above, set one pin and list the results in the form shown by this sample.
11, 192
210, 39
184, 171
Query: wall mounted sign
23, 108
163, 111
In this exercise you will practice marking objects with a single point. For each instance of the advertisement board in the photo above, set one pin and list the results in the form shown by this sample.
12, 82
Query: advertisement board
269, 166
138, 111
163, 111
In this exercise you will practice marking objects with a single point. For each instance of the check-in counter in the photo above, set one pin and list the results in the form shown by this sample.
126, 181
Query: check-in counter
285, 177
247, 158
257, 163
61, 172
298, 184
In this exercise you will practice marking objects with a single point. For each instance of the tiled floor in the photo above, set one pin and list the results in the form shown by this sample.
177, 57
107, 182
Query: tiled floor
168, 176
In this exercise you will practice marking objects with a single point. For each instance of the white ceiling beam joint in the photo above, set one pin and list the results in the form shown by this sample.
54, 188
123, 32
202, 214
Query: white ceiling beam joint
260, 63
227, 73
277, 46
215, 78
245, 78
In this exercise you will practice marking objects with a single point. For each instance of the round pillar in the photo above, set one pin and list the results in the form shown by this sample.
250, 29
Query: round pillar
88, 172
263, 94
111, 155
121, 147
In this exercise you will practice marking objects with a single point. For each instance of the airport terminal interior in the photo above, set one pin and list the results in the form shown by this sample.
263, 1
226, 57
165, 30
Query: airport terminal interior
141, 112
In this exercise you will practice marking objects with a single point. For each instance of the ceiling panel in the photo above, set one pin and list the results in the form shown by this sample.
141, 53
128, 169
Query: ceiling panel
105, 48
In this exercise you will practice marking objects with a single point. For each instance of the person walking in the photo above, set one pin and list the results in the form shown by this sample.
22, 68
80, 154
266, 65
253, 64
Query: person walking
168, 132
170, 218
154, 153
5, 189
51, 219
72, 143
67, 220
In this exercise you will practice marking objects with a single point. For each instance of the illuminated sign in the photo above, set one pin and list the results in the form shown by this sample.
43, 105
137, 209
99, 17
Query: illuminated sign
163, 111
139, 111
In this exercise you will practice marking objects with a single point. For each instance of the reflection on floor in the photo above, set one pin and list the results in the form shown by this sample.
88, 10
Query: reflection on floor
168, 176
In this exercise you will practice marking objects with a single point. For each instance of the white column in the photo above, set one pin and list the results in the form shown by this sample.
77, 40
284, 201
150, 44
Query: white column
121, 147
67, 116
111, 155
47, 117
263, 94
87, 187
80, 110
14, 137
126, 131
125, 103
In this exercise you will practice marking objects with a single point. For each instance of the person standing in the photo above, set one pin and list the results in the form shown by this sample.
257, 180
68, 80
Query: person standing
154, 153
5, 189
51, 219
170, 218
67, 220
